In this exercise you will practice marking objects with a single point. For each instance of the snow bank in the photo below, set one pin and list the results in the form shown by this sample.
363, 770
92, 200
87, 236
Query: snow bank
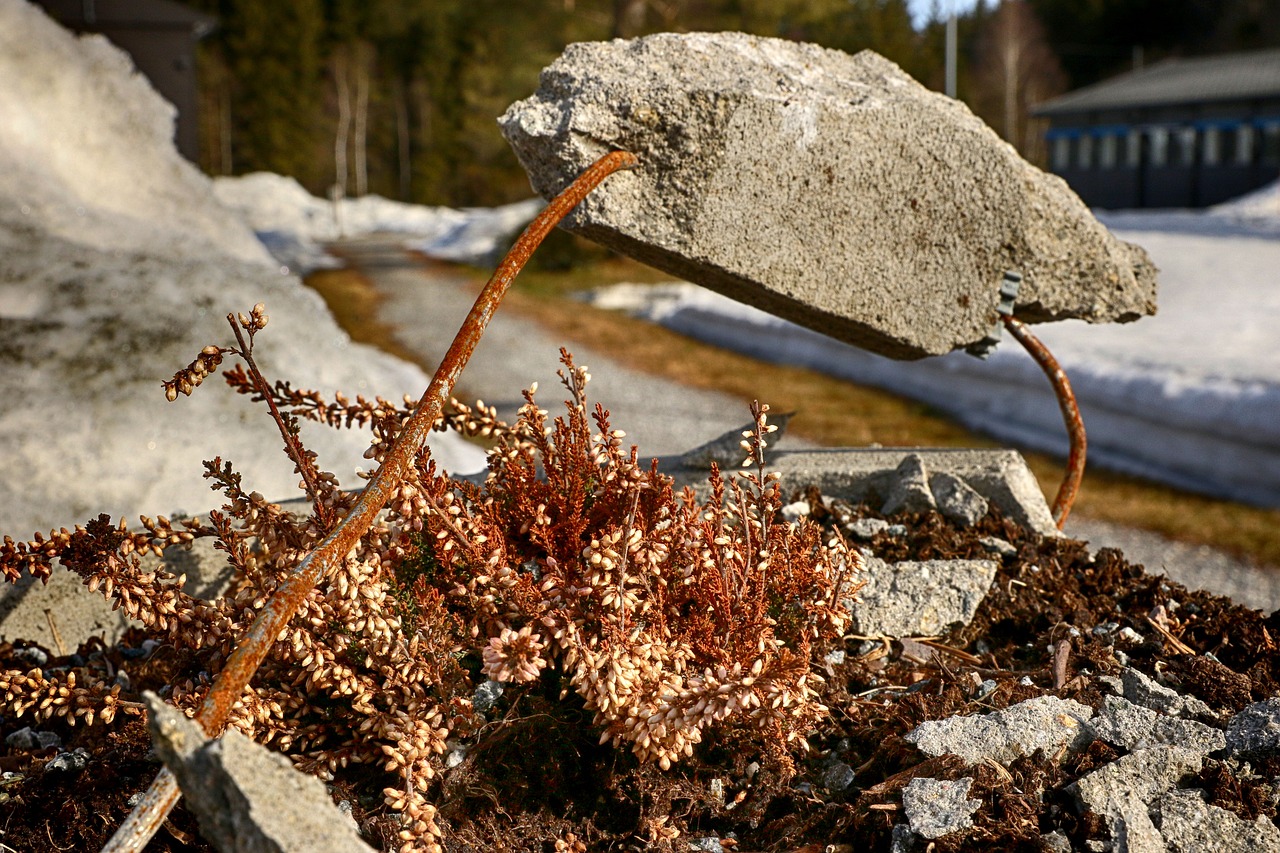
292, 223
116, 266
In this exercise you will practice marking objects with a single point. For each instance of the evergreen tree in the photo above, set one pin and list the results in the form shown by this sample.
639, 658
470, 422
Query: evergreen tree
274, 56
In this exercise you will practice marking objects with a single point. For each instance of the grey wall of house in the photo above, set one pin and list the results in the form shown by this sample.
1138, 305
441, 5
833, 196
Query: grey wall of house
167, 59
1188, 156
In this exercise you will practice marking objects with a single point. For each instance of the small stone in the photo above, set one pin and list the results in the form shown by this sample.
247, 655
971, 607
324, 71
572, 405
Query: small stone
938, 807
485, 695
27, 739
1132, 636
796, 511
1140, 689
1255, 731
957, 502
32, 655
835, 657
68, 762
898, 530
903, 840
837, 777
706, 844
1046, 722
909, 491
457, 753
867, 528
999, 546
1056, 842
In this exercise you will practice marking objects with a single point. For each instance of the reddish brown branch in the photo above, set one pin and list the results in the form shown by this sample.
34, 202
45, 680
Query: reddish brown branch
143, 822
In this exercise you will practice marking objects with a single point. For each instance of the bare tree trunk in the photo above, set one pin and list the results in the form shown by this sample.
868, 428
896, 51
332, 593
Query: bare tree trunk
340, 67
227, 164
363, 69
628, 17
1012, 61
404, 140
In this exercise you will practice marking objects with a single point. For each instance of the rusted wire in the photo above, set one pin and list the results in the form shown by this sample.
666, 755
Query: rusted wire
244, 661
1066, 496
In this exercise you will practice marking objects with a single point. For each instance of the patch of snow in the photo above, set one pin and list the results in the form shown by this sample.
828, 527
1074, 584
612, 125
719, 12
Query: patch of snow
117, 264
293, 224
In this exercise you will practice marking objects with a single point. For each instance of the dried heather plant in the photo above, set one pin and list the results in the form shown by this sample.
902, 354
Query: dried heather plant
571, 561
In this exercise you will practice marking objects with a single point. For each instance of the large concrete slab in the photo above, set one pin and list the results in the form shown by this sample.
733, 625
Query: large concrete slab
828, 189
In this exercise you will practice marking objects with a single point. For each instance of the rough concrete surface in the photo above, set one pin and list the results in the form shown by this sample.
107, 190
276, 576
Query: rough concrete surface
1135, 779
828, 189
247, 798
79, 614
919, 599
1255, 731
1045, 722
938, 807
1129, 726
869, 474
1190, 825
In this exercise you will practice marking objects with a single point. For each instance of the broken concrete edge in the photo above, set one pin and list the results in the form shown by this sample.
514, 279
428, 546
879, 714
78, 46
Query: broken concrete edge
245, 796
870, 475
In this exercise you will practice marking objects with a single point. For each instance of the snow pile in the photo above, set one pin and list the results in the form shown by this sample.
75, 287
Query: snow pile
1190, 397
116, 266
292, 223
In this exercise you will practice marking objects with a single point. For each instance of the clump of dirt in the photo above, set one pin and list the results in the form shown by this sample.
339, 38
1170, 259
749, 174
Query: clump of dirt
535, 774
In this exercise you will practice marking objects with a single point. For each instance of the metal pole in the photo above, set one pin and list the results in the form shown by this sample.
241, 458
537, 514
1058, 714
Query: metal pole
951, 52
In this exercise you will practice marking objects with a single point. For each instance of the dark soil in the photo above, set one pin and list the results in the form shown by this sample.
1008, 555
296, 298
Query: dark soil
536, 773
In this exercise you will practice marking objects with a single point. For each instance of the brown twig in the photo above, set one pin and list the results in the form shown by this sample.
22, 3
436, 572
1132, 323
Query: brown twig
1066, 496
292, 446
143, 822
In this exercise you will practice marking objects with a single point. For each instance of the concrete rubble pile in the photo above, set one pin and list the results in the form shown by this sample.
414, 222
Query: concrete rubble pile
838, 193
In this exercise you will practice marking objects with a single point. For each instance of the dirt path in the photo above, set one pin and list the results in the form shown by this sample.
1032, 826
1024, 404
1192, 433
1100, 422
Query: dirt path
426, 303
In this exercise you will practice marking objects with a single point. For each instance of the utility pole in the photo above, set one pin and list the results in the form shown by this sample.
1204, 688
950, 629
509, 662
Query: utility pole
951, 51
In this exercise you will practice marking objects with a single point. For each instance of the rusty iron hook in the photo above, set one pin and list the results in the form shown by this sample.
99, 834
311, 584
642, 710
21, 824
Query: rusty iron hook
1066, 496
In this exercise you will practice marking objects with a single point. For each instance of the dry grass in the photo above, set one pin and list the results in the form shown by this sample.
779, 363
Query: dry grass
832, 412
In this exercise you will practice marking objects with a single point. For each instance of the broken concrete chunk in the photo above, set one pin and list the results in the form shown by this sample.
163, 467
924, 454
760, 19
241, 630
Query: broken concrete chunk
909, 491
1141, 689
1131, 727
1135, 780
247, 798
957, 502
1046, 723
1255, 731
938, 807
830, 190
1190, 825
919, 598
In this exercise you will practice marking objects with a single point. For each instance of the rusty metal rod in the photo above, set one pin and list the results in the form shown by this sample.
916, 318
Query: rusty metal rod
1071, 478
244, 661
